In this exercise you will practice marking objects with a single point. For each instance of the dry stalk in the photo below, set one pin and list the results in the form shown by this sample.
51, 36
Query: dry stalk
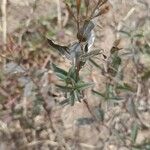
4, 23
59, 18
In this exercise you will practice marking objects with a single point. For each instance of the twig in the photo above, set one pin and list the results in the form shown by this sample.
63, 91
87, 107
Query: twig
88, 107
70, 12
59, 19
4, 23
99, 3
120, 24
56, 144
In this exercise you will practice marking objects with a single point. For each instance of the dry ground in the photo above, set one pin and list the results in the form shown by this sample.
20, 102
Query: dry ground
26, 124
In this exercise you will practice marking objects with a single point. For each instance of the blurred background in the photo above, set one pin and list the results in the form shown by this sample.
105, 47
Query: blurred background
33, 112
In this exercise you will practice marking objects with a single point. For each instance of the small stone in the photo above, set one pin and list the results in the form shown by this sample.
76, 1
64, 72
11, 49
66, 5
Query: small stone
43, 134
39, 120
112, 147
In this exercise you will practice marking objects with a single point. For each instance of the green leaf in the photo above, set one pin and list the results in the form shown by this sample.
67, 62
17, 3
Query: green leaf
62, 74
81, 85
138, 35
72, 98
95, 64
126, 33
98, 93
134, 132
65, 88
77, 95
143, 146
86, 56
73, 73
116, 60
59, 70
115, 99
107, 95
124, 86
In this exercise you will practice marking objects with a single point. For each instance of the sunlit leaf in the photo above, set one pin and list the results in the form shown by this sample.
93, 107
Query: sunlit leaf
77, 95
62, 74
134, 132
81, 85
73, 73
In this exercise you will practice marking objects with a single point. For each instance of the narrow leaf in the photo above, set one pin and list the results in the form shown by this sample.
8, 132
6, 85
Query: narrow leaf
98, 93
82, 85
134, 132
61, 76
124, 32
59, 70
64, 88
95, 64
72, 98
86, 56
73, 73
77, 95
64, 50
125, 86
64, 102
